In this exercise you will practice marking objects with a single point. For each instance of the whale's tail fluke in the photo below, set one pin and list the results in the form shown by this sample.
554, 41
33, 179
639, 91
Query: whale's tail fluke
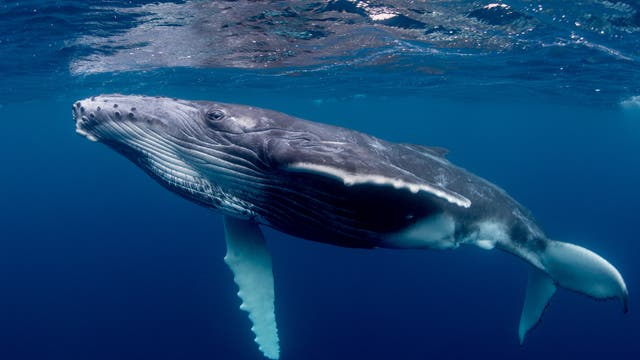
571, 267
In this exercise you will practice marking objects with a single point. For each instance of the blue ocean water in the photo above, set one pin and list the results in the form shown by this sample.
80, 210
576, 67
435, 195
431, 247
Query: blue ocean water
97, 261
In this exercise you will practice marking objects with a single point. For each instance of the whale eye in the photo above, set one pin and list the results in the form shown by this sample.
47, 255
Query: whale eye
215, 115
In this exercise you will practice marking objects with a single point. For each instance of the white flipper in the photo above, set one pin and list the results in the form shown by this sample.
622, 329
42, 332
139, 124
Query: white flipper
350, 179
362, 160
250, 261
540, 289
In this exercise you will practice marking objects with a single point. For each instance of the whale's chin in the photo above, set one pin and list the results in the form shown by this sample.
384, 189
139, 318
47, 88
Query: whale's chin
83, 132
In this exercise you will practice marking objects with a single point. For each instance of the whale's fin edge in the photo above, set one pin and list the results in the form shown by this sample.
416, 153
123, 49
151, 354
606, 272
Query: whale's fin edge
540, 289
350, 179
582, 270
250, 261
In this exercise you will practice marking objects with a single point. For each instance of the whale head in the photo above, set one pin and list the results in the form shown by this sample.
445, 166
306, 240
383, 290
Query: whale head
191, 147
123, 121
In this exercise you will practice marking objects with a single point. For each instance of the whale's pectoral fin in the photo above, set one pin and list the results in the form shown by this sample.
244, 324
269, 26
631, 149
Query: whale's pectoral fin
540, 289
250, 261
354, 164
406, 182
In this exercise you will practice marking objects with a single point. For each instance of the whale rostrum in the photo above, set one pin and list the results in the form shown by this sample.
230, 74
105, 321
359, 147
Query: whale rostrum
323, 183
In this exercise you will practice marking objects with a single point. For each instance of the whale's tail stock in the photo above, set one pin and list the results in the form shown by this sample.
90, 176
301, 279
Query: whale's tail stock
571, 267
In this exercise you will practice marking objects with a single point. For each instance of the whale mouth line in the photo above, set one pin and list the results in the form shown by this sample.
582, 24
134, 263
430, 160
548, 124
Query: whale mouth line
82, 125
86, 134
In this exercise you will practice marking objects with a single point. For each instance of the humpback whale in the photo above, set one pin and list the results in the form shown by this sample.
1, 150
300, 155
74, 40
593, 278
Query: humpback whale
325, 183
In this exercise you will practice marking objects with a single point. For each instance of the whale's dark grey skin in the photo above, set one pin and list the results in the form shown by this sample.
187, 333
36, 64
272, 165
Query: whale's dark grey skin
327, 184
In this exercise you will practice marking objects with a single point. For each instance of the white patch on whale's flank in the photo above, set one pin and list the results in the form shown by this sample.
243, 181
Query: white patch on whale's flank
355, 179
488, 234
493, 231
433, 232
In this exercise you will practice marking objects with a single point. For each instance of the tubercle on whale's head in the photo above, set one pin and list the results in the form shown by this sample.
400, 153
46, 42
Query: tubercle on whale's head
182, 144
116, 117
152, 132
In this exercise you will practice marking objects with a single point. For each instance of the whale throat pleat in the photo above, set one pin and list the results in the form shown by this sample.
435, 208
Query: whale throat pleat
250, 262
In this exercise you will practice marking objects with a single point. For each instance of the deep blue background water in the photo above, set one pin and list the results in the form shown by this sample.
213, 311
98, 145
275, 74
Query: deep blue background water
99, 262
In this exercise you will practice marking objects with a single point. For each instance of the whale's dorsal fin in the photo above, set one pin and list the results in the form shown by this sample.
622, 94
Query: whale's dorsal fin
250, 262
